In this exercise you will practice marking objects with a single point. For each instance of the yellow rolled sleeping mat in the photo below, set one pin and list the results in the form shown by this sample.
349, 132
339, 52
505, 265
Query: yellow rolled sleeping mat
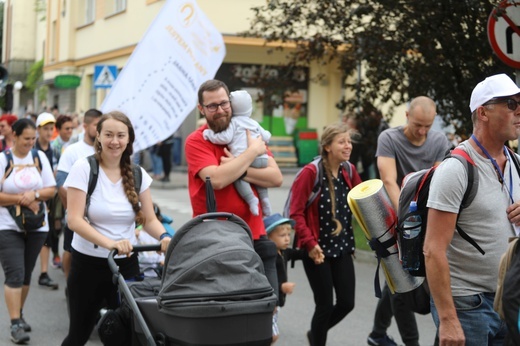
375, 214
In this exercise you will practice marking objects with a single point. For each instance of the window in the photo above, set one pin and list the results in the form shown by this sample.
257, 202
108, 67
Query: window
120, 5
114, 6
53, 38
90, 10
86, 11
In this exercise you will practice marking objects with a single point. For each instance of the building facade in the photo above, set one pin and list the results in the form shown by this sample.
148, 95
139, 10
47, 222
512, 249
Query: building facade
73, 36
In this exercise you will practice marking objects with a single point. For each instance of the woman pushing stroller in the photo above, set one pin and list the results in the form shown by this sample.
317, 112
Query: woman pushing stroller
107, 223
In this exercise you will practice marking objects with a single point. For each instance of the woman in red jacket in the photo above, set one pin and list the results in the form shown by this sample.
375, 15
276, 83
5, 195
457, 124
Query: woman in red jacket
324, 229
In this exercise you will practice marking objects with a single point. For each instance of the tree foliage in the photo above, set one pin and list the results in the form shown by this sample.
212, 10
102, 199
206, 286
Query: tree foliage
405, 48
40, 7
34, 76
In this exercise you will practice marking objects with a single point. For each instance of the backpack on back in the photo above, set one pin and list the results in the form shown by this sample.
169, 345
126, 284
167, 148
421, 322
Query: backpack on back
316, 188
26, 219
416, 187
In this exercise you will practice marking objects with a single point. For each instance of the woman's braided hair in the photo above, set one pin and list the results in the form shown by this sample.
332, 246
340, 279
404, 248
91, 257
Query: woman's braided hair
125, 163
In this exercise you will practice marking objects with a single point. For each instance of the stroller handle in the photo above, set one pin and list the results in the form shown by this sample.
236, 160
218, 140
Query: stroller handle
136, 248
217, 215
119, 280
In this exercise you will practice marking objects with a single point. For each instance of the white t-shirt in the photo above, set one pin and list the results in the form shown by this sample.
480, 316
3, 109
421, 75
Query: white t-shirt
73, 153
24, 179
110, 212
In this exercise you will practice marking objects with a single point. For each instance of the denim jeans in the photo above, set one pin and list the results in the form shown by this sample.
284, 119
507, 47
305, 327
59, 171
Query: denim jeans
157, 163
479, 321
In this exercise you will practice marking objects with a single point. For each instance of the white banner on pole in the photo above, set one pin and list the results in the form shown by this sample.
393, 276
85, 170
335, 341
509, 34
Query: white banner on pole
158, 86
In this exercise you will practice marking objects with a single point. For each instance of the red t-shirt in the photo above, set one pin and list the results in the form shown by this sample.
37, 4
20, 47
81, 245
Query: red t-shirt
201, 153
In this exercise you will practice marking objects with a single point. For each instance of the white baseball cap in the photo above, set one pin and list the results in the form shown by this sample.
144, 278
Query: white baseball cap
44, 119
499, 85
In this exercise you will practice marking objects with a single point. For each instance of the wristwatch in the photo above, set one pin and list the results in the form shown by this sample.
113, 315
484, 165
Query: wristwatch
36, 194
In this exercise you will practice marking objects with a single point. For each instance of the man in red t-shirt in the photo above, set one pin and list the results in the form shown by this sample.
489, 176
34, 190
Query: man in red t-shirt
206, 159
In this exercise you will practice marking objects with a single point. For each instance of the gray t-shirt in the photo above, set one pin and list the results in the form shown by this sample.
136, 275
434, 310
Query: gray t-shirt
485, 220
408, 157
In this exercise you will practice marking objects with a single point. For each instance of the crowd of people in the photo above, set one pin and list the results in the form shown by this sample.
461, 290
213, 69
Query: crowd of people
37, 157
58, 173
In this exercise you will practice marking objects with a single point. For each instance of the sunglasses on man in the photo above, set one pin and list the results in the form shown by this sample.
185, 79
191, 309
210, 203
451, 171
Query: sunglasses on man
512, 104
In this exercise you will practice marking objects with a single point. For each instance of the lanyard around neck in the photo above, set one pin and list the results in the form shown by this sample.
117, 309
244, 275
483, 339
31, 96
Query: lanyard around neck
497, 168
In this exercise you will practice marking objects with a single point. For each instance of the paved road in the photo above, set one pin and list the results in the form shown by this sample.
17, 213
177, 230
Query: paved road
46, 310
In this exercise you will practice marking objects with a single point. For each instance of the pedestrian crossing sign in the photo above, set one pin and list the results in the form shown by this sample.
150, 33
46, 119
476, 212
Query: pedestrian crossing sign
104, 76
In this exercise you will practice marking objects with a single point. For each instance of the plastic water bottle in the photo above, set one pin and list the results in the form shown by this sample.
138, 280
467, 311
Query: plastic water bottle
411, 245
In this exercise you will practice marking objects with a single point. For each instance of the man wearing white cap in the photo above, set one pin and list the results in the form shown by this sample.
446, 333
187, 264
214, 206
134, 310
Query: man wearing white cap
461, 280
45, 127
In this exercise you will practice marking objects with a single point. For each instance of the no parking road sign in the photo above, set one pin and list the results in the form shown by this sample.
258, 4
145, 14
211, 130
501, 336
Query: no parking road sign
504, 32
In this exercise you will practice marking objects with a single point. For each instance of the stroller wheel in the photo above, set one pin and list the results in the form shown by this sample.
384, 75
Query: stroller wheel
160, 339
112, 330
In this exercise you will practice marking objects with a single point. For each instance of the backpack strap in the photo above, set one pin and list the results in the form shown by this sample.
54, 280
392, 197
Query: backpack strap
94, 173
470, 193
92, 179
514, 158
348, 177
317, 162
316, 188
10, 162
381, 250
469, 164
36, 159
138, 178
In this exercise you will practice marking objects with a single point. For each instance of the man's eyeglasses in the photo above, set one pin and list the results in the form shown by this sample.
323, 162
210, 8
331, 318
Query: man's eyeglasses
212, 107
512, 104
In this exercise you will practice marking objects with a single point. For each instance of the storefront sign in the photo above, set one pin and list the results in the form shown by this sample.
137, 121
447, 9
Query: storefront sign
67, 81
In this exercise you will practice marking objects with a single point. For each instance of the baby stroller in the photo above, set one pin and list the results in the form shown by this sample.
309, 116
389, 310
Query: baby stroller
213, 290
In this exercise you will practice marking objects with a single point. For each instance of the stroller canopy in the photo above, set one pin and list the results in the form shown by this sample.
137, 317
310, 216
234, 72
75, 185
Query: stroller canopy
210, 266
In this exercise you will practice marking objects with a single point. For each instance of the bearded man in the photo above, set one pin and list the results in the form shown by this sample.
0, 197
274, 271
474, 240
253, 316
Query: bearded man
206, 159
